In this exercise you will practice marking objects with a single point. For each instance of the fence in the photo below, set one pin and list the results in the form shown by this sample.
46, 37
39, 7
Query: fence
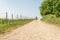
4, 18
10, 18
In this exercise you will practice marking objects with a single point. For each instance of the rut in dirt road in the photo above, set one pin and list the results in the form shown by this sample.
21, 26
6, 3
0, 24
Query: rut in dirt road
36, 30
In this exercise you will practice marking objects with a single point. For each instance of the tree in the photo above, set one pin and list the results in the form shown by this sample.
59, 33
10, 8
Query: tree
50, 7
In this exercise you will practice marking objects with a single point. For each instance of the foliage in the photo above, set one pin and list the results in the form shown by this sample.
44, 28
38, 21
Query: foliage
7, 27
50, 7
52, 19
50, 11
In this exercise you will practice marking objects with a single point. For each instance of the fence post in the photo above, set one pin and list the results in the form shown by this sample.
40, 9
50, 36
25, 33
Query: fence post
12, 17
17, 18
20, 16
6, 17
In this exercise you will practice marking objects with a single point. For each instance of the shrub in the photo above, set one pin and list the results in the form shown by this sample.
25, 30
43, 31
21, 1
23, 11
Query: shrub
51, 19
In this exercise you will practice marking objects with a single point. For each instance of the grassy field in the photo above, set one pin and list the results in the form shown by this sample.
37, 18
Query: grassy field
10, 25
52, 19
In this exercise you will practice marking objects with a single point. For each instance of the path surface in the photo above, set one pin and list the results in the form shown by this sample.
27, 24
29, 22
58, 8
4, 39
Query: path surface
35, 30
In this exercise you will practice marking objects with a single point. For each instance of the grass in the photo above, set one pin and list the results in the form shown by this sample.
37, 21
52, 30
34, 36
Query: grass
52, 19
13, 25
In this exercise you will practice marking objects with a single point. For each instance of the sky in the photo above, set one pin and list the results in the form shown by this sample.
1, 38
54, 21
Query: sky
28, 8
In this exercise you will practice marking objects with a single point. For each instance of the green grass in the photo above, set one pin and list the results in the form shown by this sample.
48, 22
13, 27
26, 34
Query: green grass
13, 25
52, 19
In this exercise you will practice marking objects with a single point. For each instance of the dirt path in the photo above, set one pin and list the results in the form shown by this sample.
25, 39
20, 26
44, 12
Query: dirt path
35, 30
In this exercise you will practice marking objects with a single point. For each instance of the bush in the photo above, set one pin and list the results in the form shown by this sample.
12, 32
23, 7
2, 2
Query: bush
51, 19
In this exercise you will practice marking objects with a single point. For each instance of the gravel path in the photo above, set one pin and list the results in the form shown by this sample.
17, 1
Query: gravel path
35, 30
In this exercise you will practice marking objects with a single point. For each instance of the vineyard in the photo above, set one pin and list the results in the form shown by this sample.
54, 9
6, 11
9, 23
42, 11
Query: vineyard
7, 25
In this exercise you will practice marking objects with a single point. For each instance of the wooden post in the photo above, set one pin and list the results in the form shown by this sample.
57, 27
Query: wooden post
12, 17
17, 16
20, 16
6, 17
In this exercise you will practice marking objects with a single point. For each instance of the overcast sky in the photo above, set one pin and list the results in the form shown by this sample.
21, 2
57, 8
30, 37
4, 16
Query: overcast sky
29, 8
